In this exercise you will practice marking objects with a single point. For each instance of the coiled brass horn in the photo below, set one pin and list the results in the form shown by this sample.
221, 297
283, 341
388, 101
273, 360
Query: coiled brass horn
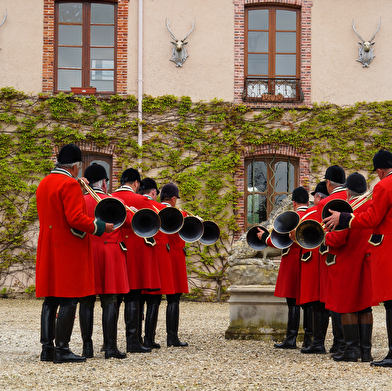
172, 220
285, 222
192, 229
309, 234
281, 240
338, 205
211, 233
253, 241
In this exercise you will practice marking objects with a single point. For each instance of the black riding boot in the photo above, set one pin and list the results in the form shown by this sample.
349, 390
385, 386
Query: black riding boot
132, 313
64, 326
292, 329
151, 326
365, 324
307, 326
172, 321
350, 332
86, 321
337, 330
109, 326
387, 361
320, 326
48, 324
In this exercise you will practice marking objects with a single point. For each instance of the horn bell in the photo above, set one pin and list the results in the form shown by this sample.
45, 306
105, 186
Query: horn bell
285, 222
340, 206
253, 241
309, 234
145, 223
192, 229
172, 220
111, 210
211, 233
280, 240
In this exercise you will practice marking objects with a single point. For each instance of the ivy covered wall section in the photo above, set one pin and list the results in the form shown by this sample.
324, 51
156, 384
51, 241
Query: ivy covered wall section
198, 145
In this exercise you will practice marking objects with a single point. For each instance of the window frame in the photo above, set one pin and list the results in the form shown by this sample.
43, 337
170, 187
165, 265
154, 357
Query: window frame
86, 43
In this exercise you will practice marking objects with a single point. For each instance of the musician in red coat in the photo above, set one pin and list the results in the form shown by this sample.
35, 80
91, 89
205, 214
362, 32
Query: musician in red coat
378, 217
289, 274
335, 177
349, 290
142, 263
110, 271
64, 268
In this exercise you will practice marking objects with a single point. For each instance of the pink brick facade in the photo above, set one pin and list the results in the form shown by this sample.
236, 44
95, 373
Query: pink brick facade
239, 39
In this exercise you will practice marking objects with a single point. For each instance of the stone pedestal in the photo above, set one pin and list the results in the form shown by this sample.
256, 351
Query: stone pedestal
255, 313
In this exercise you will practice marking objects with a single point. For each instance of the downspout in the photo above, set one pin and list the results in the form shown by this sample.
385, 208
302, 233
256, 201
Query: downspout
140, 73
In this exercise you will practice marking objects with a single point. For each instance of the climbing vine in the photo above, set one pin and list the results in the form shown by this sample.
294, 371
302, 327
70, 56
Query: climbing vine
198, 145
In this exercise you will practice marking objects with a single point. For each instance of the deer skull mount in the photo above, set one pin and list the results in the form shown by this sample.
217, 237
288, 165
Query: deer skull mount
5, 17
179, 54
366, 55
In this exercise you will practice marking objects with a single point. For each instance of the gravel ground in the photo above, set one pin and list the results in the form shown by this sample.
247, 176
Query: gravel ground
209, 363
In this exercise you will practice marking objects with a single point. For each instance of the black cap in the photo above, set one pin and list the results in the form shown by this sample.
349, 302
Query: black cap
130, 175
69, 153
335, 174
356, 182
95, 173
382, 159
300, 195
169, 190
320, 188
148, 184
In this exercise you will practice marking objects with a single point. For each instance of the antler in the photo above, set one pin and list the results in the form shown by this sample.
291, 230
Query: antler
193, 26
353, 26
378, 28
5, 17
167, 22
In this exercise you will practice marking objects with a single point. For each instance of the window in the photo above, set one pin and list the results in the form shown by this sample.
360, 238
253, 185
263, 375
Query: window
85, 50
269, 180
272, 54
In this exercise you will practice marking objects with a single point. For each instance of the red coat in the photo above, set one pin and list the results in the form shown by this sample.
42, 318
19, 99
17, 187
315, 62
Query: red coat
64, 265
379, 217
289, 269
142, 265
337, 193
110, 261
309, 270
349, 287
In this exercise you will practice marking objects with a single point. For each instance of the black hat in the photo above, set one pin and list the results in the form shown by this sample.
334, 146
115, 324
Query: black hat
69, 153
148, 184
382, 159
300, 195
320, 188
95, 173
356, 182
169, 190
130, 175
335, 174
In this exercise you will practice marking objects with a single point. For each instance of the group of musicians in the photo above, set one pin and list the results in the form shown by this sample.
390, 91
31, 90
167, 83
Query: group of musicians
80, 257
348, 273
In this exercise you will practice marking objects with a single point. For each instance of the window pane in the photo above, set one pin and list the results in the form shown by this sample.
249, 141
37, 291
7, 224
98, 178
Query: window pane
258, 20
285, 64
70, 58
102, 58
102, 36
70, 13
284, 177
68, 78
102, 80
257, 176
286, 42
286, 20
70, 35
102, 13
258, 42
257, 209
258, 64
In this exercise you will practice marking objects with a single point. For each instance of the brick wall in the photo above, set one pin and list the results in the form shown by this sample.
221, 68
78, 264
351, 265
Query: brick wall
239, 39
122, 46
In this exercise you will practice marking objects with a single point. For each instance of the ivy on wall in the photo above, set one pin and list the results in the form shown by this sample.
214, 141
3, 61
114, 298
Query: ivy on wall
198, 145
